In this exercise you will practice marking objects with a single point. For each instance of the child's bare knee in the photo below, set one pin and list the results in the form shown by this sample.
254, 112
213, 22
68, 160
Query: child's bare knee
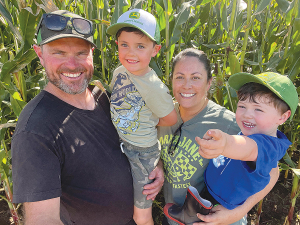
143, 216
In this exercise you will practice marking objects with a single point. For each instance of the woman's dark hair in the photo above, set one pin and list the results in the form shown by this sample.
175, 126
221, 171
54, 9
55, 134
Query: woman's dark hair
191, 52
254, 91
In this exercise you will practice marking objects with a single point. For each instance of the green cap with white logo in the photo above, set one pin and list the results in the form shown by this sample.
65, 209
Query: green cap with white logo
280, 85
139, 19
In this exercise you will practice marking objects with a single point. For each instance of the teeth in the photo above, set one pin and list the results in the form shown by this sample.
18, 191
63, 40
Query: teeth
131, 61
71, 74
187, 95
250, 125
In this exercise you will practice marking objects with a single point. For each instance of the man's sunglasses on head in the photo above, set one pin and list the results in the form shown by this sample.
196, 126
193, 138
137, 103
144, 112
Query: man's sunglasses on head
56, 22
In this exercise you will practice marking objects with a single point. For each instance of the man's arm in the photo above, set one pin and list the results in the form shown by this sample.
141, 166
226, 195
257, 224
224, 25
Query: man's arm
221, 215
151, 190
43, 212
168, 120
216, 142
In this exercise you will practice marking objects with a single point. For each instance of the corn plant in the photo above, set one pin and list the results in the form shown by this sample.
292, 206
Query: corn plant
251, 36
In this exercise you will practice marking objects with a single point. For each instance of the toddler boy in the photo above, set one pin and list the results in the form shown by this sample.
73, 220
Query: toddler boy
139, 101
244, 161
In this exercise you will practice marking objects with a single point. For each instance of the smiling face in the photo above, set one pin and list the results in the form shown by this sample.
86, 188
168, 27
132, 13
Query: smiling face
259, 117
136, 51
190, 84
68, 63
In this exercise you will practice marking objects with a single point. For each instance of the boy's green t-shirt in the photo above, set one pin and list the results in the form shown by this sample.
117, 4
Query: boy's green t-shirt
137, 103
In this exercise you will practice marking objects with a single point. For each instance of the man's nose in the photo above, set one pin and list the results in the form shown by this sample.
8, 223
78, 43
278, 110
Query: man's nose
72, 62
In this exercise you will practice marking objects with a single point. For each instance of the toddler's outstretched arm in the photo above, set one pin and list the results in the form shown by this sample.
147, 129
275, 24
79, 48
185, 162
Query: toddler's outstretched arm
216, 142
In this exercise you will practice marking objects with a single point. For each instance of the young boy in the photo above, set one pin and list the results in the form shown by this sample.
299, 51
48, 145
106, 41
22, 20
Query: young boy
139, 101
241, 164
244, 161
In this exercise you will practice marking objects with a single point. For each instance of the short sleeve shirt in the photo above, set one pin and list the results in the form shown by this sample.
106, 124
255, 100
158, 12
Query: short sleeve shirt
231, 181
137, 103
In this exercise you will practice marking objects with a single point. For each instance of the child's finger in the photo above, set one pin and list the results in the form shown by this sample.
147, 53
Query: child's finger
202, 142
214, 134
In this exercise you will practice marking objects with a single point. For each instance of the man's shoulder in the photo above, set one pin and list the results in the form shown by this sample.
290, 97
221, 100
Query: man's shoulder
40, 112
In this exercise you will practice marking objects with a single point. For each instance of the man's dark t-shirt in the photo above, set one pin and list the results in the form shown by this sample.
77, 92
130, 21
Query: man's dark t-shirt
62, 151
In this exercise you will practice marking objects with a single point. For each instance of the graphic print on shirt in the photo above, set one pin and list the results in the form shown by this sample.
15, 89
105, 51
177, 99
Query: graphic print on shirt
221, 161
180, 168
126, 104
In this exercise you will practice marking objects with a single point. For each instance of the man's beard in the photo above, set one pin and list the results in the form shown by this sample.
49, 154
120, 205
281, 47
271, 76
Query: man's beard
71, 88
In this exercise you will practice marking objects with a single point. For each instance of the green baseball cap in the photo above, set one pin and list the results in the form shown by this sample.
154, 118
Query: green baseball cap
280, 85
63, 24
139, 19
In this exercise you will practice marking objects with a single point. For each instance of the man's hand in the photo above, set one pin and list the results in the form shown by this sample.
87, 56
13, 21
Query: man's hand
213, 143
151, 190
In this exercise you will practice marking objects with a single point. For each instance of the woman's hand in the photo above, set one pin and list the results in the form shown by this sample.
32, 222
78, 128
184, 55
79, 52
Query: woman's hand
151, 190
220, 215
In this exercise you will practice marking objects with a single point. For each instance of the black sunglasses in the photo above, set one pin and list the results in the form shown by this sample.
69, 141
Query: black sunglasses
175, 140
56, 22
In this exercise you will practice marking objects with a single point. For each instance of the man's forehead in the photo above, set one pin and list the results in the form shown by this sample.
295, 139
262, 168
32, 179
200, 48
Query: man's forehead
69, 41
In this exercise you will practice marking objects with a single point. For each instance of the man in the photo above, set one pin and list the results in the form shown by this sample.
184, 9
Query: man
67, 164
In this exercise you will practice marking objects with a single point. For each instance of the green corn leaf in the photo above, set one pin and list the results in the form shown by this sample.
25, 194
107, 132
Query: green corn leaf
205, 13
181, 18
296, 172
6, 15
99, 21
20, 83
296, 32
160, 3
215, 46
27, 26
262, 5
273, 61
284, 5
234, 63
289, 161
161, 19
49, 6
119, 4
155, 67
17, 103
295, 68
224, 16
283, 166
16, 64
3, 159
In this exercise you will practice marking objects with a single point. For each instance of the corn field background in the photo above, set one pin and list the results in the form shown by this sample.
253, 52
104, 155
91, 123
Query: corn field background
252, 36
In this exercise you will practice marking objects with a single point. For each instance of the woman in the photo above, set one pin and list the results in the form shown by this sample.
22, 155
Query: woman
184, 166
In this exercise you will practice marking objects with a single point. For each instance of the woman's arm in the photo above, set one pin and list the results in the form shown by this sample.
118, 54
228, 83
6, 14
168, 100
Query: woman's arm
221, 215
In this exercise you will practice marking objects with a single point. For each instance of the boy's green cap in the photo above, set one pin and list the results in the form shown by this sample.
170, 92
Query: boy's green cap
139, 19
280, 85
